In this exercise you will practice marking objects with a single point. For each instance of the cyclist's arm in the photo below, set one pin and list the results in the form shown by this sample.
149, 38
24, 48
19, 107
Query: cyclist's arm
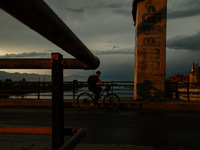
102, 83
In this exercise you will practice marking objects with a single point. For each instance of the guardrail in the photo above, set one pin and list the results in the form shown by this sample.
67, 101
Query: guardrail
42, 90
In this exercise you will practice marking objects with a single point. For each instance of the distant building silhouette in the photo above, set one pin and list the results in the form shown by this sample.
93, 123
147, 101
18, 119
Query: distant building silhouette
179, 78
193, 77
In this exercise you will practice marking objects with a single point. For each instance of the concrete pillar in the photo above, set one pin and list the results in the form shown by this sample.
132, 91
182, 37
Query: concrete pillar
150, 53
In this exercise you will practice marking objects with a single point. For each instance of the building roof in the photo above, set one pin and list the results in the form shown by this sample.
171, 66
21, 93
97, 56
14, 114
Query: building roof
178, 75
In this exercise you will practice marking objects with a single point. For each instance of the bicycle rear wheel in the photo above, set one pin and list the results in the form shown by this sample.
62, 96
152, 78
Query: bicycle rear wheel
84, 101
111, 101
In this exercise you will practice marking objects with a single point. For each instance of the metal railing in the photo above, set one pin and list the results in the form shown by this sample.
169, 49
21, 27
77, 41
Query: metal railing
42, 90
124, 89
37, 15
183, 91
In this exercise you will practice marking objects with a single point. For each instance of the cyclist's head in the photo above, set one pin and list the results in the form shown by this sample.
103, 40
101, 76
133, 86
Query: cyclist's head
98, 73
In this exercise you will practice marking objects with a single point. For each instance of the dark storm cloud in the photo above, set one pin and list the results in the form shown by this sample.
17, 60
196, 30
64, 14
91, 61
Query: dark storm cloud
123, 8
185, 42
183, 13
114, 47
75, 10
124, 12
25, 55
182, 9
114, 51
107, 5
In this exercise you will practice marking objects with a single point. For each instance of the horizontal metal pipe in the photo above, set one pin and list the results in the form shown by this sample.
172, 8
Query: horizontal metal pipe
36, 130
37, 63
37, 15
26, 130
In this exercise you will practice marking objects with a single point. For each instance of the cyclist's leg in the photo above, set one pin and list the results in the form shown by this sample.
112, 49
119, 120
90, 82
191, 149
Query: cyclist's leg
97, 92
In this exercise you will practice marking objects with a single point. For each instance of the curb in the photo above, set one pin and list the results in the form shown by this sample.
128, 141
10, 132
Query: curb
25, 103
167, 106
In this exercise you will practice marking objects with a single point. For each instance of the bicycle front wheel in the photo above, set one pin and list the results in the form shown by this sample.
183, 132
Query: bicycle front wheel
111, 101
84, 100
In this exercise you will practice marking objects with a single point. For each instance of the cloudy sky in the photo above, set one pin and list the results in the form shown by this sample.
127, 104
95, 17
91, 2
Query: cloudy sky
106, 28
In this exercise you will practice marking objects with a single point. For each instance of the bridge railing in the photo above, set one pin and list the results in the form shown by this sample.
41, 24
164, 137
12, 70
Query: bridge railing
183, 91
42, 90
124, 89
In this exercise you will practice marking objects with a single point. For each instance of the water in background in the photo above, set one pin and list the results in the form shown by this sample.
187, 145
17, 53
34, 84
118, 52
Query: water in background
121, 92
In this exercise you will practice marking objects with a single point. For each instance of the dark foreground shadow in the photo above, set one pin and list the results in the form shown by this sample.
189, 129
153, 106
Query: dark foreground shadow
148, 92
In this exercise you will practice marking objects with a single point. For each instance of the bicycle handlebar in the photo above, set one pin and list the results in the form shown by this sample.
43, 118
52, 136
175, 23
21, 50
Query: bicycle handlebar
107, 87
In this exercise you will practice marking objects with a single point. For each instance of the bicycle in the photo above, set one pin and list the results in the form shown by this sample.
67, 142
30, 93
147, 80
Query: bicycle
110, 100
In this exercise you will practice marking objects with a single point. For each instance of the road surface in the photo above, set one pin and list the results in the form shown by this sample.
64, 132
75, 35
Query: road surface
146, 128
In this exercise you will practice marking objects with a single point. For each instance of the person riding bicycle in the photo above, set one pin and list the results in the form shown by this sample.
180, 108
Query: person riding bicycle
92, 85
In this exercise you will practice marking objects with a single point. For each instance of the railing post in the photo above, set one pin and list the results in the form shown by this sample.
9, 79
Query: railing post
112, 86
177, 94
57, 102
75, 83
38, 89
74, 89
3, 89
188, 92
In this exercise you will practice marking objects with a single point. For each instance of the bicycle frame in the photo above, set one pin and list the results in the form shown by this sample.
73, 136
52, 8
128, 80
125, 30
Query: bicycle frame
109, 100
101, 94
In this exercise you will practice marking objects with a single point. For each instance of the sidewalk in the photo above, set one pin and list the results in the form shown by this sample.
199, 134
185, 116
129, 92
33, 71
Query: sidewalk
126, 104
34, 145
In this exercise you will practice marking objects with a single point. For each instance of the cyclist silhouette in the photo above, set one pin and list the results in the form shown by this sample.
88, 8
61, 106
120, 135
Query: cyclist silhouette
92, 85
